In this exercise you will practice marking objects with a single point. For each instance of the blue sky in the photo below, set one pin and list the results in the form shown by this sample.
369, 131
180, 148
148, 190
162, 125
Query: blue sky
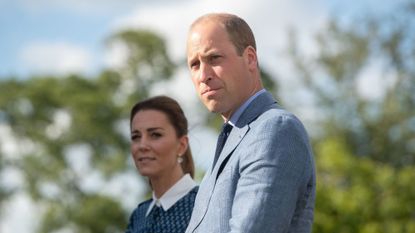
34, 31
23, 24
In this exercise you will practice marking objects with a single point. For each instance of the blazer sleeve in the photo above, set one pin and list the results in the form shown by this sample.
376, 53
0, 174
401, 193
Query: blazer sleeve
275, 170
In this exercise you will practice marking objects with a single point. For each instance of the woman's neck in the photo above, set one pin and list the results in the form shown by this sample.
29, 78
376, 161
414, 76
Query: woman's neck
161, 184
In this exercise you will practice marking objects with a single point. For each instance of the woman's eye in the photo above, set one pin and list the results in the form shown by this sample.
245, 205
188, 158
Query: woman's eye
135, 137
156, 135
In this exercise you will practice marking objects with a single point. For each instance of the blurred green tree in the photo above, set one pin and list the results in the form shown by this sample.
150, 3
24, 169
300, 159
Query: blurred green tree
360, 195
376, 52
59, 122
5, 192
364, 140
145, 60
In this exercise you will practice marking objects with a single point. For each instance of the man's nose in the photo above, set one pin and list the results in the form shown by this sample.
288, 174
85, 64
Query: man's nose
206, 72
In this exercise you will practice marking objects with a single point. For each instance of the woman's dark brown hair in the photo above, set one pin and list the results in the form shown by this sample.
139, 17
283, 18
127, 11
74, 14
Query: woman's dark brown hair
177, 119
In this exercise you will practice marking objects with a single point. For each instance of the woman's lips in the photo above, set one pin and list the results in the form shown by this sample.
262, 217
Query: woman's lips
144, 159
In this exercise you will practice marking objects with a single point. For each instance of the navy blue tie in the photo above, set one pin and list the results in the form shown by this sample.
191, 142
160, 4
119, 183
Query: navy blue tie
226, 129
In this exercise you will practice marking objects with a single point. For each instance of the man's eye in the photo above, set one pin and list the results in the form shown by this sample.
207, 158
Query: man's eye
214, 58
194, 64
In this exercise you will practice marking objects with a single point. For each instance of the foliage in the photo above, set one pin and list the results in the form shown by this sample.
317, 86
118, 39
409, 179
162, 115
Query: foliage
53, 114
59, 122
5, 192
94, 213
381, 126
146, 59
364, 145
357, 194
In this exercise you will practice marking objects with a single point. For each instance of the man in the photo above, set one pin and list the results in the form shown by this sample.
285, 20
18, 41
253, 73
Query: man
263, 180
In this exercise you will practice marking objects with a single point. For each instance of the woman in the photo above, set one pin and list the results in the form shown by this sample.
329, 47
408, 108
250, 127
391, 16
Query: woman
161, 152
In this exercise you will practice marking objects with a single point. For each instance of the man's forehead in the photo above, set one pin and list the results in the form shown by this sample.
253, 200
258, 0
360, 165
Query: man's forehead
198, 44
197, 49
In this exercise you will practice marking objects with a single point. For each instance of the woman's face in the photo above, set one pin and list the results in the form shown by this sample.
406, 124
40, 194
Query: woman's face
155, 145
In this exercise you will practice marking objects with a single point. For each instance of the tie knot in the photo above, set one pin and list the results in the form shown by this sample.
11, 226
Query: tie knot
226, 128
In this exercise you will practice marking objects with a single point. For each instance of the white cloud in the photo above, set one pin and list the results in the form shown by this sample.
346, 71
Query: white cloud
116, 55
61, 121
269, 21
11, 178
78, 157
127, 187
79, 6
179, 87
22, 214
55, 58
12, 146
8, 142
202, 144
373, 81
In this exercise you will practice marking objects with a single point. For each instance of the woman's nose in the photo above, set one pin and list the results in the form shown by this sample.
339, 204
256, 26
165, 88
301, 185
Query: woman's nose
143, 144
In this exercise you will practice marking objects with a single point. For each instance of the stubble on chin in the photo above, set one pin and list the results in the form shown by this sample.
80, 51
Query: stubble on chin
212, 106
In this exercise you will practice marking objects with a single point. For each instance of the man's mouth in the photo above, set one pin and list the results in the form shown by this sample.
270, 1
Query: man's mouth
209, 91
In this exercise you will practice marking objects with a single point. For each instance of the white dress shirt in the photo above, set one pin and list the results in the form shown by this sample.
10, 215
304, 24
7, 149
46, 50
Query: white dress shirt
175, 193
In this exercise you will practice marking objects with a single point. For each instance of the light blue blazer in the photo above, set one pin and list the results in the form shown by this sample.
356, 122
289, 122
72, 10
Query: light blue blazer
264, 180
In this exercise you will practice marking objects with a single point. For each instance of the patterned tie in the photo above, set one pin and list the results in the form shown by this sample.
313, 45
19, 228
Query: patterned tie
226, 129
152, 219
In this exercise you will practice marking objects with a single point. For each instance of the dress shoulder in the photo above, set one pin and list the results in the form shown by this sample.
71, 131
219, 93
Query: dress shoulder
144, 203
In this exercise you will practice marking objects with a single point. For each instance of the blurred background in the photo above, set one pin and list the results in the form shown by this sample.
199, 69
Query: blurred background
70, 71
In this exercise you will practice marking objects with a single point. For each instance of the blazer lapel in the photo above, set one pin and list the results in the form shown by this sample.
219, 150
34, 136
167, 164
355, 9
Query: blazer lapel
256, 107
259, 105
235, 137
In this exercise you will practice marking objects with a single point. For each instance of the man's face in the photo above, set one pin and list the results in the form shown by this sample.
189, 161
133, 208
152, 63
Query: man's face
221, 76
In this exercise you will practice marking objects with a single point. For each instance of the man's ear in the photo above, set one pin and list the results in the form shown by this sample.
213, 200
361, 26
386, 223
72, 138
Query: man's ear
251, 58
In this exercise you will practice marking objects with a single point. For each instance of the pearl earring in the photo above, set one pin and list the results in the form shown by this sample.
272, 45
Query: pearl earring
180, 159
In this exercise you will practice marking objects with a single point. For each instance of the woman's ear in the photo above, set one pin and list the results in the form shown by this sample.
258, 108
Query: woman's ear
183, 144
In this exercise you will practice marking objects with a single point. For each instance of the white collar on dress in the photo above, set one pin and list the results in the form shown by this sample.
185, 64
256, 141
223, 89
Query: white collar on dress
175, 193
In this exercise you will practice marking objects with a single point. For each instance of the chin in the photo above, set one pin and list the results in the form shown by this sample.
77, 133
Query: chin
213, 109
145, 173
212, 106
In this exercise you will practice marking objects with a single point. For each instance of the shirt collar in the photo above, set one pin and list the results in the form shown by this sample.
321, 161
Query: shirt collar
235, 117
175, 193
